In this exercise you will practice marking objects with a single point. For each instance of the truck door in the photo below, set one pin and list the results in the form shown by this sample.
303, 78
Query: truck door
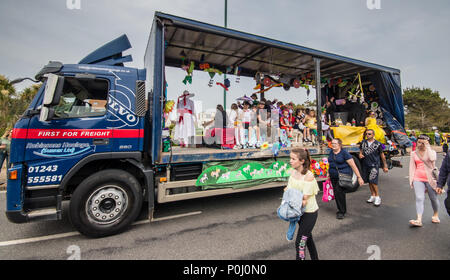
78, 128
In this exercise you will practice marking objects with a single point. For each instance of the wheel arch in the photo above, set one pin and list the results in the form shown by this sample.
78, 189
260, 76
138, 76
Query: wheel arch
130, 162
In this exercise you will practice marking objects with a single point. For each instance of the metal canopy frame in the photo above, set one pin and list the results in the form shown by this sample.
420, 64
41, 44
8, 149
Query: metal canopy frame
225, 48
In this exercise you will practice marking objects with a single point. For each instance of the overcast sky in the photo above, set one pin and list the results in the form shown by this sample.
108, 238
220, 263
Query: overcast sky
411, 35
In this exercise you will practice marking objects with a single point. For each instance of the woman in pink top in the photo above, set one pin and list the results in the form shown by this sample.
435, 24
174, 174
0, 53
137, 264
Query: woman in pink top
421, 164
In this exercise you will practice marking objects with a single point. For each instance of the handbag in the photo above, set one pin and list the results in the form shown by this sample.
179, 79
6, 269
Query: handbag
328, 192
345, 180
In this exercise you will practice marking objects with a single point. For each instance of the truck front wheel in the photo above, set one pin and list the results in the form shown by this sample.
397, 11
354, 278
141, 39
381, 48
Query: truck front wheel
105, 203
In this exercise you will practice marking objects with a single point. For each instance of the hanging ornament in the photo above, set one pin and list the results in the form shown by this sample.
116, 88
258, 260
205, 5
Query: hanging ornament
225, 85
237, 73
168, 107
204, 66
211, 81
222, 85
189, 69
187, 79
183, 56
267, 82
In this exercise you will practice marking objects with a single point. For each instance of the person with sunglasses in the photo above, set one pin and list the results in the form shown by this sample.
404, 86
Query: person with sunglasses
371, 151
421, 165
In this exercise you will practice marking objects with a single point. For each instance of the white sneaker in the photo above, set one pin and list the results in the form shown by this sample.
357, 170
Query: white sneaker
371, 199
377, 201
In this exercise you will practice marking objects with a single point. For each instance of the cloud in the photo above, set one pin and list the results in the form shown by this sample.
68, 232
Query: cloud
409, 35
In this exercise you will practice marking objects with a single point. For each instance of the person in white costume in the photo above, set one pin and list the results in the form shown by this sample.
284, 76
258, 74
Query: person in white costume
185, 124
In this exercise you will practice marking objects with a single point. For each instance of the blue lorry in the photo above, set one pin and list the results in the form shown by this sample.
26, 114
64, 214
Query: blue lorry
93, 134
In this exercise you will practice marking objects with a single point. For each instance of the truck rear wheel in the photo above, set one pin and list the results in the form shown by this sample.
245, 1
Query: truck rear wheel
105, 203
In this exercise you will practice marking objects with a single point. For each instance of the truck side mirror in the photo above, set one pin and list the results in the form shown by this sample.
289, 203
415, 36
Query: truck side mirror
52, 96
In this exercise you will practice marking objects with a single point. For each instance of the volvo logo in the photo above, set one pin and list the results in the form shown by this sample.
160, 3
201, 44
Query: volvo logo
121, 112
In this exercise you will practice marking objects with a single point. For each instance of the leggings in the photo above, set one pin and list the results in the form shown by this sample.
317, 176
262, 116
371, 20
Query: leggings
419, 188
305, 238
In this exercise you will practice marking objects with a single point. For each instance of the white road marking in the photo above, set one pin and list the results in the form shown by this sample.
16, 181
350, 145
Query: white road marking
176, 216
37, 239
75, 233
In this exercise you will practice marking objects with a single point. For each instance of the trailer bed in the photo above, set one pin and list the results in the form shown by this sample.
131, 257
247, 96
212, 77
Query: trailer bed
184, 155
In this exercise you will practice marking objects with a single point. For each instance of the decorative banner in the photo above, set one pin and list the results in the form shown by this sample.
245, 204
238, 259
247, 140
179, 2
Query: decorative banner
242, 174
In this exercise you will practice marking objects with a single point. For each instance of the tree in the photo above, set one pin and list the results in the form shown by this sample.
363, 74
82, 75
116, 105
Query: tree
424, 108
13, 104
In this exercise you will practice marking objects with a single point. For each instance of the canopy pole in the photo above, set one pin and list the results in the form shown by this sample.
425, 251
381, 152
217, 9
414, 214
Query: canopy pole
318, 100
225, 75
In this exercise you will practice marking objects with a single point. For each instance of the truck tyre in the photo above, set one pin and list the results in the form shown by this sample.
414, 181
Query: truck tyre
105, 203
354, 178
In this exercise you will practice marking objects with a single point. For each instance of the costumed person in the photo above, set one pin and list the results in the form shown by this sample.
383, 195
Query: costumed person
263, 121
299, 120
254, 139
236, 123
286, 123
330, 109
5, 143
437, 138
246, 119
185, 125
371, 123
445, 144
311, 123
221, 122
325, 127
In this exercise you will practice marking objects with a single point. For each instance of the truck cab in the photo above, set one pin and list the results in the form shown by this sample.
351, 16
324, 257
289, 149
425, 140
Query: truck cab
84, 118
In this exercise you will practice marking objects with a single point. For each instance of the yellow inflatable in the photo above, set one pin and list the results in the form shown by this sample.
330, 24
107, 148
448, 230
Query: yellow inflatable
379, 132
350, 135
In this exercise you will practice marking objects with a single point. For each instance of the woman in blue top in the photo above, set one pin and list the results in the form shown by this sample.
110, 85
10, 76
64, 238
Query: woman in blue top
345, 164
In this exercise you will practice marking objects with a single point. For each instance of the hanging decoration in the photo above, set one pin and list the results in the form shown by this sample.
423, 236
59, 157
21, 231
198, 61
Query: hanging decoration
189, 69
168, 107
237, 73
211, 81
225, 85
357, 90
183, 57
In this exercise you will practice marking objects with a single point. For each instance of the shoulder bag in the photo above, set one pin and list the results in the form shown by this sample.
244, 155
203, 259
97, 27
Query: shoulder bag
345, 180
